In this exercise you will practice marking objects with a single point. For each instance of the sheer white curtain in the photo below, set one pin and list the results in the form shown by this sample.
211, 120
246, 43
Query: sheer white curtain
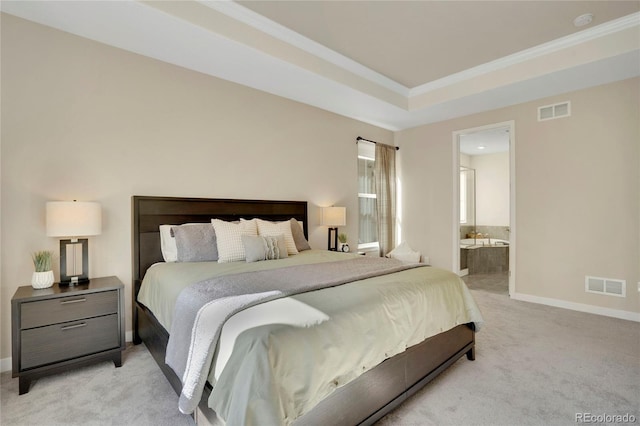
385, 177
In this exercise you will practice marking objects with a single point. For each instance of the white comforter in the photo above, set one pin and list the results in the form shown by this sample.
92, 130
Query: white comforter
277, 360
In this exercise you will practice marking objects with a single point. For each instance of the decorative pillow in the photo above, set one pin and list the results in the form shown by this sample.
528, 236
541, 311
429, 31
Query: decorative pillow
168, 242
273, 229
196, 243
264, 248
298, 235
404, 253
229, 237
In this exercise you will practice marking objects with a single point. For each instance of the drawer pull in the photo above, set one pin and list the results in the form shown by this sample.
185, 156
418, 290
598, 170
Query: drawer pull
69, 327
66, 302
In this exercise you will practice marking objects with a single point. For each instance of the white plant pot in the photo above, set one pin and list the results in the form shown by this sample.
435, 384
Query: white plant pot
42, 279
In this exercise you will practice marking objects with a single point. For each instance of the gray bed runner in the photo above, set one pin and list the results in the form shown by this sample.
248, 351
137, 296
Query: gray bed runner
202, 309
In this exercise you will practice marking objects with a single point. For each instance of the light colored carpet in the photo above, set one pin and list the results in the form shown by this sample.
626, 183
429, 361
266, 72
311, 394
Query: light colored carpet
135, 394
535, 365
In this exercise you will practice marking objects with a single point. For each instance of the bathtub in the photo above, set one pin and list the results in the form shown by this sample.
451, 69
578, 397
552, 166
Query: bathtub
470, 242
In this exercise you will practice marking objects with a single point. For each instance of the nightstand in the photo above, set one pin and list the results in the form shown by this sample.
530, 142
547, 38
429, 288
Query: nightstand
63, 327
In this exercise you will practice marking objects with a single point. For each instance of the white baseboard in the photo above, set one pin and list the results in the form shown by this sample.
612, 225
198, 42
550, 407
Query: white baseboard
5, 363
581, 307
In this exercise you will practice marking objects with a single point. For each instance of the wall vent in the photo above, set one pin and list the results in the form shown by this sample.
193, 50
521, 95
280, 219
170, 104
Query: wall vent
609, 286
550, 112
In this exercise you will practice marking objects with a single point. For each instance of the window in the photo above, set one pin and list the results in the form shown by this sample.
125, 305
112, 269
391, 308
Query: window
368, 214
467, 196
463, 196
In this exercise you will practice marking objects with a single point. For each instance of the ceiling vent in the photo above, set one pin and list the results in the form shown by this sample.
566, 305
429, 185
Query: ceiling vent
550, 112
609, 286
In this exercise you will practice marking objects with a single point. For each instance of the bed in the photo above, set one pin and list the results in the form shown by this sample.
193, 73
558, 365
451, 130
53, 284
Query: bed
386, 384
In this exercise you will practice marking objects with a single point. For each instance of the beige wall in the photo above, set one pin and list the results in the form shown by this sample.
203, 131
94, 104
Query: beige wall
84, 121
577, 192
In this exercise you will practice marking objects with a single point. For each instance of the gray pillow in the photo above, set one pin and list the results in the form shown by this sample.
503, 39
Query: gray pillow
298, 236
264, 247
196, 242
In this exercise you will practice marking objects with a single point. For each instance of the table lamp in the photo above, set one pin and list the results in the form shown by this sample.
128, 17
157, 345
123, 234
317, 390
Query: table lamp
73, 219
334, 217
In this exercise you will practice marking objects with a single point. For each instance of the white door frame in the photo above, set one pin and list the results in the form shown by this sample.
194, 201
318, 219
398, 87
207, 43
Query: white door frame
512, 196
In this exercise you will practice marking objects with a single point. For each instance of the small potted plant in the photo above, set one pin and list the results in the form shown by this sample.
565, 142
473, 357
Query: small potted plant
342, 237
43, 275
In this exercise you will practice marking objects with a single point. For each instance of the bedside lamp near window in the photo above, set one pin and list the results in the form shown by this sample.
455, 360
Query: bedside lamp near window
73, 219
334, 217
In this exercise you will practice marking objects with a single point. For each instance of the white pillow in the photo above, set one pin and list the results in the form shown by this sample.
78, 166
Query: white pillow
404, 253
273, 229
168, 244
229, 236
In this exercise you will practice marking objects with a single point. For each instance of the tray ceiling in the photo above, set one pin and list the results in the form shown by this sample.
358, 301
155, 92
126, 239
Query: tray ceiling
415, 42
392, 64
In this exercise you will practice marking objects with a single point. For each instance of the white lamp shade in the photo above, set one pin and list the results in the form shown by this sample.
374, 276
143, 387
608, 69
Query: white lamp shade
73, 219
334, 216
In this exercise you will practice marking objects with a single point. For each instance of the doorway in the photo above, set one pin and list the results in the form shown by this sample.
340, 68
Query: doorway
484, 205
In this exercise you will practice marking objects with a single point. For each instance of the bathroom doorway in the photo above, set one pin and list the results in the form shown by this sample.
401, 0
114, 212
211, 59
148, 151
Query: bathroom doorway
484, 225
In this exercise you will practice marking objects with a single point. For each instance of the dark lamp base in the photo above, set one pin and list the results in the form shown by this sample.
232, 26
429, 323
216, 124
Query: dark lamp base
334, 246
71, 283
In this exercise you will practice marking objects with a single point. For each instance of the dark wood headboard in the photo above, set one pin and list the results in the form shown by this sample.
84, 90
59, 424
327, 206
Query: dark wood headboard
148, 213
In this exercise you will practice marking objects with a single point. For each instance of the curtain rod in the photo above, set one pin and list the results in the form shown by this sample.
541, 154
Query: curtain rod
360, 138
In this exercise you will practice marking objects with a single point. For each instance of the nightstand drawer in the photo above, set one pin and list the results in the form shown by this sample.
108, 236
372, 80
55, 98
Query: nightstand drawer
70, 308
59, 342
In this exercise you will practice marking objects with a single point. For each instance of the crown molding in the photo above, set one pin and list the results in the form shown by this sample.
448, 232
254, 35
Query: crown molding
553, 46
137, 26
282, 33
